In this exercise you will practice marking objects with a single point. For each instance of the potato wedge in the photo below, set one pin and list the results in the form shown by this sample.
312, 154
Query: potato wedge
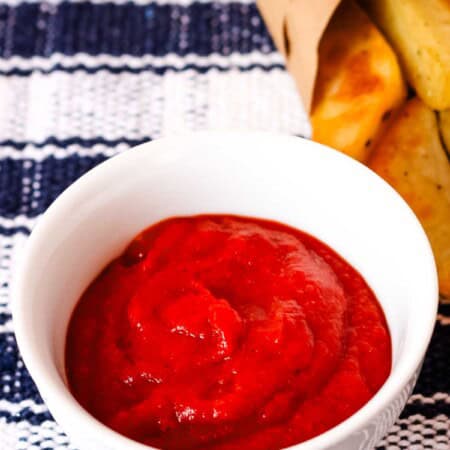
359, 83
444, 125
411, 158
419, 31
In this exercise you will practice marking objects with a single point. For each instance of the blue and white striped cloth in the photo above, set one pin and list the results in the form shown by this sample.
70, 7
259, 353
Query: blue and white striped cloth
81, 81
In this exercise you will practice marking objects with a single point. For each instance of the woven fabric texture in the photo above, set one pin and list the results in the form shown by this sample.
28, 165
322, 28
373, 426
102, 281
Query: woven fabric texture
82, 81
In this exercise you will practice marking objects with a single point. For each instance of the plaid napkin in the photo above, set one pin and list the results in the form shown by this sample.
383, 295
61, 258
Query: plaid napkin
82, 81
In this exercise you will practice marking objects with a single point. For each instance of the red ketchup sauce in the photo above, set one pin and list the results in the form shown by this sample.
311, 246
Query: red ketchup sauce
222, 332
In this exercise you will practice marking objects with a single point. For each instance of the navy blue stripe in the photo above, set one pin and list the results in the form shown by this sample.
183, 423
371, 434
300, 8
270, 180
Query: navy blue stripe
26, 414
9, 231
427, 410
435, 375
16, 383
146, 68
4, 317
44, 181
444, 309
31, 29
64, 143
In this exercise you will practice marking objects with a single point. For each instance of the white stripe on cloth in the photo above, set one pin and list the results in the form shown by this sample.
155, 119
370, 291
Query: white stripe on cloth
137, 106
172, 60
436, 397
15, 408
6, 327
18, 221
24, 436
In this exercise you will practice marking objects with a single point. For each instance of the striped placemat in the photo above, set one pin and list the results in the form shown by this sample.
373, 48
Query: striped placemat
82, 81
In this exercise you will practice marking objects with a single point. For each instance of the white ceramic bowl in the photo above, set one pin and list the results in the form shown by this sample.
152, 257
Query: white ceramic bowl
288, 179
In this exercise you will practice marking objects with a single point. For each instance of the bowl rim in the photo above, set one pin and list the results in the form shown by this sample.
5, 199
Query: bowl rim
58, 396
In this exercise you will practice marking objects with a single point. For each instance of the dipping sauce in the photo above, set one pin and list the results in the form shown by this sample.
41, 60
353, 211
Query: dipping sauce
223, 332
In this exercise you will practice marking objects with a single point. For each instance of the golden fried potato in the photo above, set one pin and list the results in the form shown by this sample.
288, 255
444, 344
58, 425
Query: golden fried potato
419, 31
359, 83
444, 125
411, 158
